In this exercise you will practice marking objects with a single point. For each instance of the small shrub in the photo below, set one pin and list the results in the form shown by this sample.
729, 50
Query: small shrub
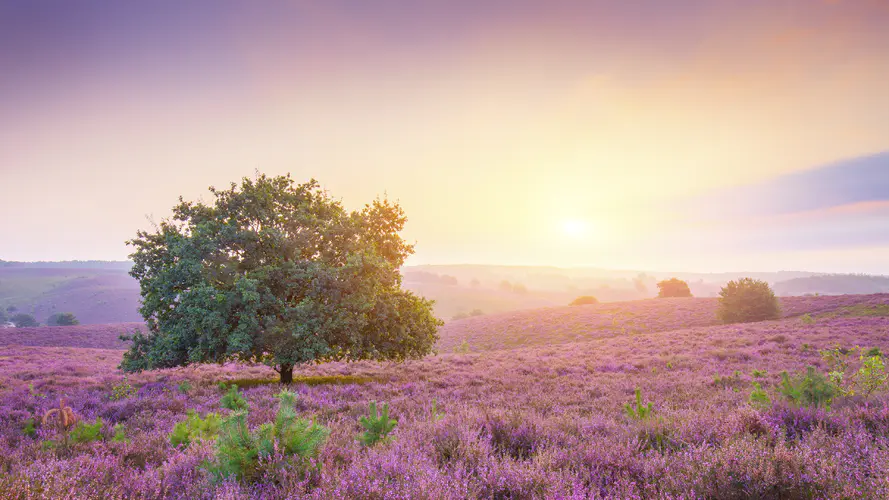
184, 387
759, 373
434, 412
87, 433
233, 399
640, 411
377, 425
463, 348
812, 389
807, 319
759, 398
584, 300
194, 428
239, 452
29, 429
122, 391
747, 300
673, 287
874, 351
872, 375
120, 434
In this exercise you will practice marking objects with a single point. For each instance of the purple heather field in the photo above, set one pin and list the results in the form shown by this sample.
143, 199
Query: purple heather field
528, 405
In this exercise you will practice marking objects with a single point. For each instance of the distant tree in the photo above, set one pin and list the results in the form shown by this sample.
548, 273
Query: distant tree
474, 283
22, 320
4, 318
747, 300
278, 273
11, 309
62, 319
505, 286
519, 288
584, 300
639, 284
448, 280
476, 312
673, 287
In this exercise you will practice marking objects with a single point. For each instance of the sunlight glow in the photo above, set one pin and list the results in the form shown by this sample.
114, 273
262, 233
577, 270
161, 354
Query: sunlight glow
576, 228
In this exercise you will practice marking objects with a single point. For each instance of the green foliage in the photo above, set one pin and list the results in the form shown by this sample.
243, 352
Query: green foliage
584, 300
640, 411
866, 376
184, 387
120, 434
807, 319
759, 398
29, 428
462, 348
23, 320
34, 392
811, 389
194, 428
759, 373
278, 273
122, 391
239, 451
747, 300
434, 412
62, 319
872, 375
87, 433
233, 399
377, 425
673, 287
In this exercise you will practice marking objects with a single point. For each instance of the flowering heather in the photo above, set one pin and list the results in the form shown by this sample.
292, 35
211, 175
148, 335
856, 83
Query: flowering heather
531, 412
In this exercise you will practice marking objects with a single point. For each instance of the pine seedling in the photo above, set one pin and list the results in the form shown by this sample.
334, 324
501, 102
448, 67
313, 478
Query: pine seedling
640, 411
759, 398
377, 425
233, 399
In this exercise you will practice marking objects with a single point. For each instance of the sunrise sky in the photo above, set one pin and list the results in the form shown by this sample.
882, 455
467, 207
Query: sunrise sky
684, 135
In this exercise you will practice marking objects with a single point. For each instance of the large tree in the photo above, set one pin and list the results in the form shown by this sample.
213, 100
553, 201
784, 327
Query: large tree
280, 273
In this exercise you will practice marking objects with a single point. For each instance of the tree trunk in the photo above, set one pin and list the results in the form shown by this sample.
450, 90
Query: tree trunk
286, 372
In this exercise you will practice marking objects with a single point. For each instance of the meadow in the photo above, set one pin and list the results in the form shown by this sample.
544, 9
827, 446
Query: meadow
530, 404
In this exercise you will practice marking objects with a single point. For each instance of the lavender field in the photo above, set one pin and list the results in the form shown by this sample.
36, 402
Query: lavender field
523, 405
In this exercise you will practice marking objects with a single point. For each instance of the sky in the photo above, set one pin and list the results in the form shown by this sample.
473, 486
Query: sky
694, 135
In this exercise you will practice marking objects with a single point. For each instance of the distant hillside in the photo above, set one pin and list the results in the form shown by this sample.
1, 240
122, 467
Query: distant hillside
102, 292
834, 284
94, 294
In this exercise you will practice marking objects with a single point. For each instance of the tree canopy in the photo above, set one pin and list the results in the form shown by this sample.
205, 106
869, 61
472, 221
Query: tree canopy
22, 320
747, 300
62, 319
280, 273
673, 287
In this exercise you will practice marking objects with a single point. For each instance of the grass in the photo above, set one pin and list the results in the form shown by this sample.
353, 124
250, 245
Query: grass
316, 380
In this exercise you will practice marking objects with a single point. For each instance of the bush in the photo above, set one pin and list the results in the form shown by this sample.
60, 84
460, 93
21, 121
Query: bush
812, 389
195, 428
29, 428
233, 400
584, 300
673, 287
87, 433
23, 320
122, 391
239, 452
377, 425
747, 300
62, 319
184, 387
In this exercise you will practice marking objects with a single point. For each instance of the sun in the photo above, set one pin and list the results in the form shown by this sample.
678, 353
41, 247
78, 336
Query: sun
575, 228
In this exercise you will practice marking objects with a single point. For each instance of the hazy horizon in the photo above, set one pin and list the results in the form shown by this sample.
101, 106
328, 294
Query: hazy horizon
691, 136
